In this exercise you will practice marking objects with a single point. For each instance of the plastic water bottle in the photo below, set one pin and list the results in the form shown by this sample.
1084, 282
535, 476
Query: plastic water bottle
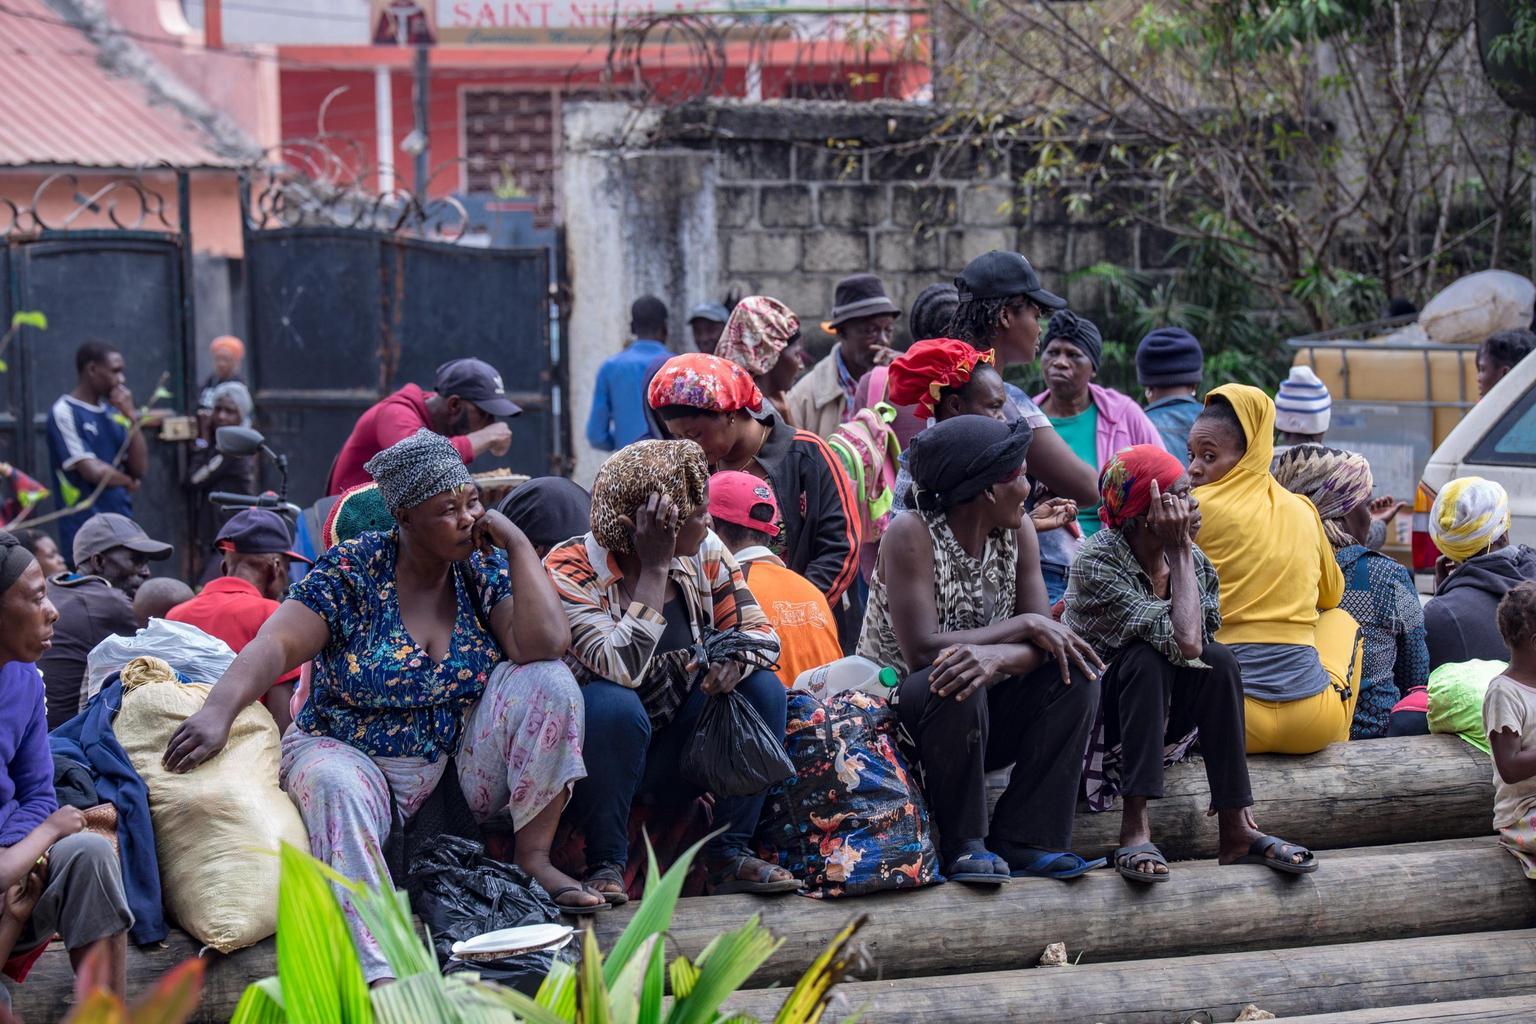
845, 674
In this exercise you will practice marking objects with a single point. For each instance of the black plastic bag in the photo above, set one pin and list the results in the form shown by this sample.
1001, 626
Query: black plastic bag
459, 892
733, 752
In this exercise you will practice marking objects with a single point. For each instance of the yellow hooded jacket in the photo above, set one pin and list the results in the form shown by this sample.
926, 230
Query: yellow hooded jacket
1276, 566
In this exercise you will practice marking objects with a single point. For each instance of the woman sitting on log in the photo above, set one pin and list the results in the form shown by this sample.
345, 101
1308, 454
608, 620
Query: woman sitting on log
440, 639
640, 591
1280, 584
1147, 598
1378, 592
957, 606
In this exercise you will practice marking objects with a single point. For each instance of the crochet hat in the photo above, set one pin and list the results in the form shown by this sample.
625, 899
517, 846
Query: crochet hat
1169, 356
1302, 405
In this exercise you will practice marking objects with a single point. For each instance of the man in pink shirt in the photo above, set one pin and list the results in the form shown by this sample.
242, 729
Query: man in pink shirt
464, 405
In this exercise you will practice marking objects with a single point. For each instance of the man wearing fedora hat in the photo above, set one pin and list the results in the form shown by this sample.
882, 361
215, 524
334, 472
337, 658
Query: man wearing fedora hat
863, 317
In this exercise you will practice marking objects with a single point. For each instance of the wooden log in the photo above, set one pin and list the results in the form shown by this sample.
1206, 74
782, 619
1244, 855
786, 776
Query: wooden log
1203, 908
1366, 793
1514, 1010
1315, 980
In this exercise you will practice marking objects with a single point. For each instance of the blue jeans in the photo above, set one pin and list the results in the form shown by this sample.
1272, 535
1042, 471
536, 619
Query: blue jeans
1055, 581
626, 757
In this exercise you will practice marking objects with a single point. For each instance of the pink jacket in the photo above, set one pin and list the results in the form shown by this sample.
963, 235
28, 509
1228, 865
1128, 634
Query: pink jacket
1121, 422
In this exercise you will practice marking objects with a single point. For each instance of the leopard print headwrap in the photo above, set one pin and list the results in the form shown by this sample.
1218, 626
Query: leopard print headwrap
632, 474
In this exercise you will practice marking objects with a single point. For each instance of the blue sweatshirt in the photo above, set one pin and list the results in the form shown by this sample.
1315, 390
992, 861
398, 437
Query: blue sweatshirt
26, 784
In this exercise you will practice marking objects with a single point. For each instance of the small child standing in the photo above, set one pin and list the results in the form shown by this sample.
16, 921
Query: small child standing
1509, 716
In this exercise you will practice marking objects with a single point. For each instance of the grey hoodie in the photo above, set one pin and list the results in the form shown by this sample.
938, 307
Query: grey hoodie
1460, 619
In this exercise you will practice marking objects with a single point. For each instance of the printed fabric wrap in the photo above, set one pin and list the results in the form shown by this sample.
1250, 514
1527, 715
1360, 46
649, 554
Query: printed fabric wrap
1335, 481
1469, 514
1125, 485
923, 372
707, 383
627, 479
759, 329
852, 820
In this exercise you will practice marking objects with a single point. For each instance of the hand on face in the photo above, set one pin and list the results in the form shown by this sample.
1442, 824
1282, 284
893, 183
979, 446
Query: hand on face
1171, 517
655, 526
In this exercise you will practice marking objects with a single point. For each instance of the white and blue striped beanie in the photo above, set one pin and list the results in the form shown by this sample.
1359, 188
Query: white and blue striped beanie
1302, 405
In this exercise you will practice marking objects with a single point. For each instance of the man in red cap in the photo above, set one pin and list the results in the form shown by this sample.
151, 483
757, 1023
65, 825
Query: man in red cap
746, 516
258, 551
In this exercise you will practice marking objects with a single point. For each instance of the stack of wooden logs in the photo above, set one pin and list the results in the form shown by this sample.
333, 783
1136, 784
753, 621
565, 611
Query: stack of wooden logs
1415, 915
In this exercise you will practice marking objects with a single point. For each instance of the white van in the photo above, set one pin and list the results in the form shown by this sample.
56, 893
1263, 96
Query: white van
1496, 440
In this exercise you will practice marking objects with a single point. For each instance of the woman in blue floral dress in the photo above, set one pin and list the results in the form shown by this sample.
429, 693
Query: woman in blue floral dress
418, 656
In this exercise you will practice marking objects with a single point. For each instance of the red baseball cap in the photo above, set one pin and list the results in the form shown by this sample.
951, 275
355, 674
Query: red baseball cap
743, 499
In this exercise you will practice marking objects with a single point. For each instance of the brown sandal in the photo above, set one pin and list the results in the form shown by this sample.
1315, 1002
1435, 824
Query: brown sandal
725, 878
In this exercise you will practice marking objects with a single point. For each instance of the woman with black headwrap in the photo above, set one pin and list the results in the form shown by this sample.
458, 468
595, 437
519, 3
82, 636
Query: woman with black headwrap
958, 607
68, 881
439, 639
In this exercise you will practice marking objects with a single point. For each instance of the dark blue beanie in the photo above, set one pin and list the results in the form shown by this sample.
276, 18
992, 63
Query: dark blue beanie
1168, 356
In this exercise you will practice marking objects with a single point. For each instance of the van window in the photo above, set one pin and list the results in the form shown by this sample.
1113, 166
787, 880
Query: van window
1512, 441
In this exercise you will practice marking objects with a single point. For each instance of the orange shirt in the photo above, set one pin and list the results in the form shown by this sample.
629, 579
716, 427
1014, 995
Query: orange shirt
798, 612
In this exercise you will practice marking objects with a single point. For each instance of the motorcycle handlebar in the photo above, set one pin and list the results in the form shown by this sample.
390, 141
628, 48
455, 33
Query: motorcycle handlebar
229, 499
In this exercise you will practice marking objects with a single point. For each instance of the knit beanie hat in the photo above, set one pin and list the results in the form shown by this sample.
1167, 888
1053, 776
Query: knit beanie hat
1169, 356
1302, 405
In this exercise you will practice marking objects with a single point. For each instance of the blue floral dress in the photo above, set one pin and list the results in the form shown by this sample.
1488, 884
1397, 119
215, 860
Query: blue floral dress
374, 688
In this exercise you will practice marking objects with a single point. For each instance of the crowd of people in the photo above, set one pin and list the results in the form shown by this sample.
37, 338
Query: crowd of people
1074, 584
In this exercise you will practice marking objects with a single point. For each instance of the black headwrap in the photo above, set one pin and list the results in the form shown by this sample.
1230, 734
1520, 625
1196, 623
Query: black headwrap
954, 461
14, 559
1079, 330
549, 509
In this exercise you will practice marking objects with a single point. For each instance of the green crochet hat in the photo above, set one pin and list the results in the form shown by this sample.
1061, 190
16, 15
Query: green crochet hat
359, 510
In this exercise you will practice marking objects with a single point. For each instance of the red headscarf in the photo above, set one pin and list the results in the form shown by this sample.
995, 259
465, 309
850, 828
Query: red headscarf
1125, 485
704, 382
923, 371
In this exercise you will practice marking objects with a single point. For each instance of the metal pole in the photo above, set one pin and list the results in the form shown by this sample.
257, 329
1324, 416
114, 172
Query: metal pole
384, 128
421, 93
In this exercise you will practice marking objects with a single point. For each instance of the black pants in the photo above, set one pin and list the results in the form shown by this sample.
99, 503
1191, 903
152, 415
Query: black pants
1035, 723
1148, 698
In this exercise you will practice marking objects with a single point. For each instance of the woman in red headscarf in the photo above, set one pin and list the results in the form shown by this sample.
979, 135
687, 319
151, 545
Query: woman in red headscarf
1147, 599
715, 403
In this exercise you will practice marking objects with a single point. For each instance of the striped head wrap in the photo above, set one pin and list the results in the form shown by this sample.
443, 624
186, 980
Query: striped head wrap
1303, 405
1469, 514
1125, 485
14, 560
1335, 481
632, 474
413, 470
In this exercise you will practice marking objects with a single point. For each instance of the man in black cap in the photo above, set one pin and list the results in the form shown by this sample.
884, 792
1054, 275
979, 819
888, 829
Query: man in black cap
618, 415
465, 405
112, 556
258, 551
863, 318
707, 321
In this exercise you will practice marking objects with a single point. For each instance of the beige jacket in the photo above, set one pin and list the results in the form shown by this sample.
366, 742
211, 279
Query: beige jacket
816, 402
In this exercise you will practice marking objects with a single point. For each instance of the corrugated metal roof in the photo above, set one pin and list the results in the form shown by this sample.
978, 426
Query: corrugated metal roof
60, 106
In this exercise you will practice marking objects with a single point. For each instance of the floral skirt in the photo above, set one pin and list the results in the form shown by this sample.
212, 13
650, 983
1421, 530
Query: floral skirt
521, 750
1520, 840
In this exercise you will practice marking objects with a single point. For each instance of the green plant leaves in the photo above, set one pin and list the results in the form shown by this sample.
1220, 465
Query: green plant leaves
322, 978
29, 318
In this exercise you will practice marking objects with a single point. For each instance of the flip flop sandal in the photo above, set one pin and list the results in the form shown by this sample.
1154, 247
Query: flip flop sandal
574, 911
1039, 864
1129, 860
1258, 854
609, 873
978, 869
726, 880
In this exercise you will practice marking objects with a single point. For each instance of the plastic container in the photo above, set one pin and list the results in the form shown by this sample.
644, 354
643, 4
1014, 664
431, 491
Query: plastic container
845, 674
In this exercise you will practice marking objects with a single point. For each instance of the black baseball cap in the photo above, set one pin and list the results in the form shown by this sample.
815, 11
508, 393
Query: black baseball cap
1002, 275
478, 382
257, 531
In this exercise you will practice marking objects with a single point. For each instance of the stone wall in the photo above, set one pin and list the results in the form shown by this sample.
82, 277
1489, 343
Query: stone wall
784, 199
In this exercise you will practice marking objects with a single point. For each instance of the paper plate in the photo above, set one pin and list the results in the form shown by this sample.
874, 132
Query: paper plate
507, 942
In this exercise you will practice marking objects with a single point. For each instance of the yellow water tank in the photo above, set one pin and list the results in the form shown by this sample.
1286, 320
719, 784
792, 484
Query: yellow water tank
1440, 378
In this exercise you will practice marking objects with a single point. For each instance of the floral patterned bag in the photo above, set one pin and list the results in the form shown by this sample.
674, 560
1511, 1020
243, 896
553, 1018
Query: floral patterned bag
852, 819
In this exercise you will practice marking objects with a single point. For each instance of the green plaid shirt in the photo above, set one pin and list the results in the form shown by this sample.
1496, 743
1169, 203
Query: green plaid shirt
1110, 601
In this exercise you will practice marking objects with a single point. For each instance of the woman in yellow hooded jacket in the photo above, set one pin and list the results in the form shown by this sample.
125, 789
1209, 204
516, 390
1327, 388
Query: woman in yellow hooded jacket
1280, 584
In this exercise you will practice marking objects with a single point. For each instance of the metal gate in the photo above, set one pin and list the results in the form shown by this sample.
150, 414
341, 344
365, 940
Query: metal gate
341, 316
125, 286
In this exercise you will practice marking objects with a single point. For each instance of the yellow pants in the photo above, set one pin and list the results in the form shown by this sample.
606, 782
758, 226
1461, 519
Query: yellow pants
1308, 725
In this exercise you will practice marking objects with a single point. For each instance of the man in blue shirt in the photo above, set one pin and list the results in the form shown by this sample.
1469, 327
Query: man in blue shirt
618, 402
89, 443
1169, 365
